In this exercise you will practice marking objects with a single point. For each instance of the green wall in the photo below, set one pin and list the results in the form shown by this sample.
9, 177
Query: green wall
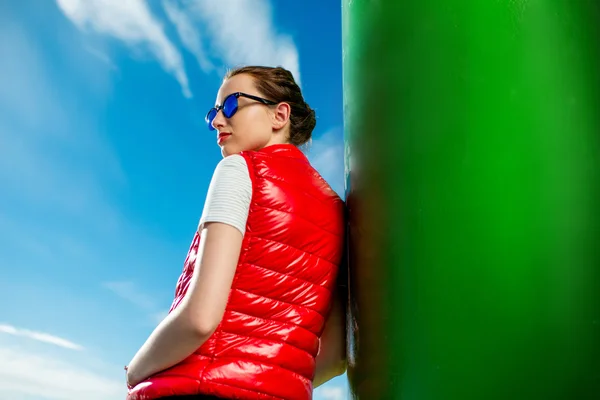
473, 144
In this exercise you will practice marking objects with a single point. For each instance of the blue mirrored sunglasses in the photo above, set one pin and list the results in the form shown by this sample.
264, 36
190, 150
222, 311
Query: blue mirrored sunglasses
230, 107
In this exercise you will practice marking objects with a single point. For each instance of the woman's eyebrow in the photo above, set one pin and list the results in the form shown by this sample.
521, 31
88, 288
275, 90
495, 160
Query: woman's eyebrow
225, 96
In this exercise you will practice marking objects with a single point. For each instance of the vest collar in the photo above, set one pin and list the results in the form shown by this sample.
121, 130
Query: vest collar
286, 150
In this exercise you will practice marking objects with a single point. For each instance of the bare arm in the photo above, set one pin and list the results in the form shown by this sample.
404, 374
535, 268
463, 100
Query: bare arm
191, 324
331, 360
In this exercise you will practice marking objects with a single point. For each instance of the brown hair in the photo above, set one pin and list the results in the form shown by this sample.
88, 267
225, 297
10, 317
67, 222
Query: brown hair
278, 84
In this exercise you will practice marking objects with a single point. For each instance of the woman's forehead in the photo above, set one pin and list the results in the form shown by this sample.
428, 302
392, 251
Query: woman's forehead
237, 83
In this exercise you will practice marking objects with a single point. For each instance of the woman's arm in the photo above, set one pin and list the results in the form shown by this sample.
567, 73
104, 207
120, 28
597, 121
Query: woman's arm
191, 324
331, 360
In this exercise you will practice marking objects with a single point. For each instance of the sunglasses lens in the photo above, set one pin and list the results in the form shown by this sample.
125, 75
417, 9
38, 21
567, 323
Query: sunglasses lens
230, 106
210, 117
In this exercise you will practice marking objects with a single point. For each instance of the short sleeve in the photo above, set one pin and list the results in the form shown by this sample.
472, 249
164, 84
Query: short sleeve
229, 194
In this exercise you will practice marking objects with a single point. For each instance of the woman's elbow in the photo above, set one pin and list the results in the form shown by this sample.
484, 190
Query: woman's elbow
337, 366
341, 368
324, 373
200, 325
204, 326
204, 329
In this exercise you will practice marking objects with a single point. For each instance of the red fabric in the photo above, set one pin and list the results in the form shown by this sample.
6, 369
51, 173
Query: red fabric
265, 346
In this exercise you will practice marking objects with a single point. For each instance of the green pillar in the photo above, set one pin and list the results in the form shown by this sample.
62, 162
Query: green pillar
473, 141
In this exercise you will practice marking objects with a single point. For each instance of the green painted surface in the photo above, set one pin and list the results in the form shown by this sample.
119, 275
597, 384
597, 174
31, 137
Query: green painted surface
473, 139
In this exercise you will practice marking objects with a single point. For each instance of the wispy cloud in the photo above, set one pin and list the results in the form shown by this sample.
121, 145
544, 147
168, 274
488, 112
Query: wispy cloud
24, 374
330, 392
326, 154
189, 35
102, 57
39, 336
237, 32
159, 316
130, 292
132, 22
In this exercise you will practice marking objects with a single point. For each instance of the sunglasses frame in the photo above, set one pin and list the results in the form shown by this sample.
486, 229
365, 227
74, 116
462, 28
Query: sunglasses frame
237, 95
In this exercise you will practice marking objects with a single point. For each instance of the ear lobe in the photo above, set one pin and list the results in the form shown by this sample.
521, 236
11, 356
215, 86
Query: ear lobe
281, 115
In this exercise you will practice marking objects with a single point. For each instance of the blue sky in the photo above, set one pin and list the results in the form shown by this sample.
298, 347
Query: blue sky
105, 161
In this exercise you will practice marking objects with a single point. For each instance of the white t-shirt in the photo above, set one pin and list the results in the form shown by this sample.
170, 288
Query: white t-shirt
229, 194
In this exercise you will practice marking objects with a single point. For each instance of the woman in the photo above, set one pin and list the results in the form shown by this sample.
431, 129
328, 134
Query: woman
257, 313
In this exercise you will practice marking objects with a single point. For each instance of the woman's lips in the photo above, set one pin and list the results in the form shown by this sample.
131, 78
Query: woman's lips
222, 137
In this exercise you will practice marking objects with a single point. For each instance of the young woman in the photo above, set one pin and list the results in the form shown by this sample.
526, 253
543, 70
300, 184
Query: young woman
257, 312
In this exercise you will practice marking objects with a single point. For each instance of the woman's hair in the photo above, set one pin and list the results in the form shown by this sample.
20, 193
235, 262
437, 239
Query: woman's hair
278, 84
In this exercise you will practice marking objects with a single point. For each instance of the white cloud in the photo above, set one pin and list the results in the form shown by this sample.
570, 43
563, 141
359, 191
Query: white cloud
26, 375
188, 34
330, 392
326, 154
102, 57
236, 32
39, 336
130, 292
132, 22
159, 316
240, 32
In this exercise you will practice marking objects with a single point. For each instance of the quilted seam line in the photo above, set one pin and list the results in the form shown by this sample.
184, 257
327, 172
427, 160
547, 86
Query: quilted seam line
324, 286
289, 324
284, 302
342, 234
289, 275
271, 340
297, 249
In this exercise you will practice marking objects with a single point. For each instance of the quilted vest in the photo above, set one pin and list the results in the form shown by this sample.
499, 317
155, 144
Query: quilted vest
266, 344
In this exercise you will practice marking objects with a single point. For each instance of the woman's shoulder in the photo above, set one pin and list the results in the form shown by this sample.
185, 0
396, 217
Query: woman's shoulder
231, 166
234, 160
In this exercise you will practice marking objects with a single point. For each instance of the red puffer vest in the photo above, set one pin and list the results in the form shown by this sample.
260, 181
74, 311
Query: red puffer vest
266, 344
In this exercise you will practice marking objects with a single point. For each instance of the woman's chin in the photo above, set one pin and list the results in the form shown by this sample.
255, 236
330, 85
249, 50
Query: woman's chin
227, 151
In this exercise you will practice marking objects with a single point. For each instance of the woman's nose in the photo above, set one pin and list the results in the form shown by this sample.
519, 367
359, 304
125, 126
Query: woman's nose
219, 121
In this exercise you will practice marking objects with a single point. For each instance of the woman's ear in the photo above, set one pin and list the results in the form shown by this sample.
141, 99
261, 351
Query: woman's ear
281, 115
